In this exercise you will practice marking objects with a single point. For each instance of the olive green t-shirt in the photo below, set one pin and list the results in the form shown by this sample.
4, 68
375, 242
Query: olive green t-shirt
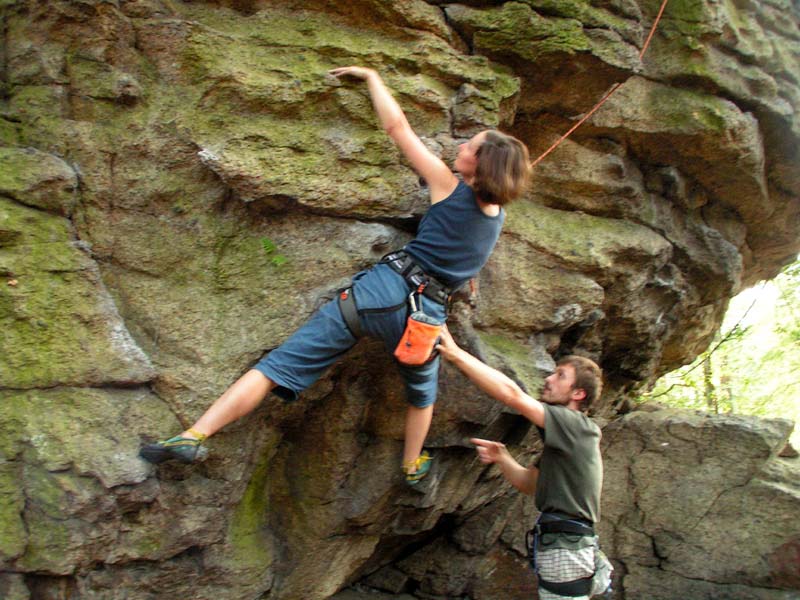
570, 467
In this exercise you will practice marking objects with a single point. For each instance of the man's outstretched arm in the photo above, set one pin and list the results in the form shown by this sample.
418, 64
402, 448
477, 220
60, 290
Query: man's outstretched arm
493, 382
496, 453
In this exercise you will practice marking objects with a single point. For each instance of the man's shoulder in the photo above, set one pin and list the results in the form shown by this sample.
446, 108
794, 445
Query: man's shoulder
567, 417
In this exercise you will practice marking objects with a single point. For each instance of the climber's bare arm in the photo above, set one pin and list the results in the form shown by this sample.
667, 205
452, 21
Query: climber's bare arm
440, 179
493, 382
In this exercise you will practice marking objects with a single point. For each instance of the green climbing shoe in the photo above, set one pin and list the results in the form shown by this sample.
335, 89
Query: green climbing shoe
187, 450
422, 466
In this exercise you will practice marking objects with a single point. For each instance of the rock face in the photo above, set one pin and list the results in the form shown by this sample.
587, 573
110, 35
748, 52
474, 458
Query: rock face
694, 506
181, 185
701, 507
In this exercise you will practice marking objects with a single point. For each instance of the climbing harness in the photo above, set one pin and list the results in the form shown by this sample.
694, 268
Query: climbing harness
613, 89
422, 333
420, 282
347, 306
597, 583
409, 270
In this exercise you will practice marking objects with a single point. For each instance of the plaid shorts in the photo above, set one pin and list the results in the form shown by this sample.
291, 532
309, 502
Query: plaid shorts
562, 564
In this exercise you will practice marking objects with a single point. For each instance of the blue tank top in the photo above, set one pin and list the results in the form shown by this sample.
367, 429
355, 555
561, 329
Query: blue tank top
455, 238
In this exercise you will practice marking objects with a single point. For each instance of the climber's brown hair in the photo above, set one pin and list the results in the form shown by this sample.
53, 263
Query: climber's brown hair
503, 169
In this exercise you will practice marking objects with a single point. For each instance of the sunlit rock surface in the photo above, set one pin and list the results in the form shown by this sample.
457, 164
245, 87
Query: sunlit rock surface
696, 506
182, 184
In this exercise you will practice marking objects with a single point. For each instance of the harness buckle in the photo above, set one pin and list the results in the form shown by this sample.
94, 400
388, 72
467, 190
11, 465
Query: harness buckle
416, 277
412, 302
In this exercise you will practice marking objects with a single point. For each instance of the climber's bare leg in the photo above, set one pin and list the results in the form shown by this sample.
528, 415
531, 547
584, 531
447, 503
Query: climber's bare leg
238, 400
418, 422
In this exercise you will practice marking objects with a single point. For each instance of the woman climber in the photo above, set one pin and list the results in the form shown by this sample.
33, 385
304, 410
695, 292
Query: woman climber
454, 240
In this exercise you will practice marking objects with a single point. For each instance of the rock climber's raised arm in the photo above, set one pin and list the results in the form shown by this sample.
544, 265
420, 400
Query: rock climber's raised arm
440, 179
493, 382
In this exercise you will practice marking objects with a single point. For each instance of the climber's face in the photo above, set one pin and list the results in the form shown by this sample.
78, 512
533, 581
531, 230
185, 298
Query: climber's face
467, 159
559, 388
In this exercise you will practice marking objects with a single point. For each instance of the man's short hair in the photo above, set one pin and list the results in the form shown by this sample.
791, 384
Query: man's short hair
588, 377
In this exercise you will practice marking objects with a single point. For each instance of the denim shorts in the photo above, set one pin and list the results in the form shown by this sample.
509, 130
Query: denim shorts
381, 297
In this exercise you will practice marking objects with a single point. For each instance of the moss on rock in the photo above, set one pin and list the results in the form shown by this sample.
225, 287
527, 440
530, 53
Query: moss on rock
9, 132
13, 534
707, 137
587, 242
506, 351
651, 107
514, 28
96, 80
38, 179
12, 587
56, 511
294, 156
253, 77
54, 428
58, 286
247, 532
518, 31
39, 108
530, 292
591, 16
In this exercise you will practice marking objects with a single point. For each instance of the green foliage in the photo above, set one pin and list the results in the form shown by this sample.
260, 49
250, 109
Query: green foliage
788, 315
268, 245
278, 260
753, 366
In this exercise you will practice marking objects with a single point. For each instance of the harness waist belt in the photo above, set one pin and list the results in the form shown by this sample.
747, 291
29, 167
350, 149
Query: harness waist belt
565, 526
403, 264
553, 523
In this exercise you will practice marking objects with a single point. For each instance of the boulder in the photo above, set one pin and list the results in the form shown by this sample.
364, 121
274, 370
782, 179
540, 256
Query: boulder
675, 525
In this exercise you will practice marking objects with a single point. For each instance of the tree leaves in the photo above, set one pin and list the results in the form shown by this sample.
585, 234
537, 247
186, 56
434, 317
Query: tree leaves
751, 368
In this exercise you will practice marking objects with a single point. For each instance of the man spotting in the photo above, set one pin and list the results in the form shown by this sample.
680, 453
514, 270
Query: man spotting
568, 477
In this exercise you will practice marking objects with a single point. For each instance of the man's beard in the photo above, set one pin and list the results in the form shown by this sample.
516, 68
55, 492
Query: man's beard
548, 398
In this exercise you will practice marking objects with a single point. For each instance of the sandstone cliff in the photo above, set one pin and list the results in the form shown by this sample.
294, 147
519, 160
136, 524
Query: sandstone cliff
181, 185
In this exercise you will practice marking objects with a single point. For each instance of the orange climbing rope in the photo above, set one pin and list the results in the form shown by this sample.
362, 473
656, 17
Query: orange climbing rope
613, 89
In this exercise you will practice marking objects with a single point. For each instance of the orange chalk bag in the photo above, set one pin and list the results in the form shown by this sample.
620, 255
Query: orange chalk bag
422, 333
